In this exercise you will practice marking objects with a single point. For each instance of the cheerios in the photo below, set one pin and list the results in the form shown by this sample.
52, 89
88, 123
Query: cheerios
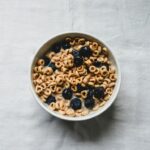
75, 78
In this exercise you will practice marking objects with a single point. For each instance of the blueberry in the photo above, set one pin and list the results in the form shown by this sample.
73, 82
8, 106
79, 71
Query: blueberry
56, 48
89, 103
75, 103
52, 65
50, 99
80, 88
75, 53
90, 87
97, 64
90, 94
65, 45
100, 64
99, 92
78, 61
46, 60
67, 93
85, 51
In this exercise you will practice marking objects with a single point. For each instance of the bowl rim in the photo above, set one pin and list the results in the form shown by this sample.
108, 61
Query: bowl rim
96, 113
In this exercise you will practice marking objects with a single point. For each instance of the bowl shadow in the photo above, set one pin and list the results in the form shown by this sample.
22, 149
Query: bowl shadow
90, 130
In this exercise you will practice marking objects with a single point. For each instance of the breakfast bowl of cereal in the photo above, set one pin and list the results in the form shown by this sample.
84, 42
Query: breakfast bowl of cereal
75, 76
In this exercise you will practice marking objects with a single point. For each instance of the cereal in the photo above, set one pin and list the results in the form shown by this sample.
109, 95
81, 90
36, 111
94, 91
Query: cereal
75, 77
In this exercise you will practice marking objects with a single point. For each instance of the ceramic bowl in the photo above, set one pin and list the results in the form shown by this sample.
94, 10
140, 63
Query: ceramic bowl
93, 114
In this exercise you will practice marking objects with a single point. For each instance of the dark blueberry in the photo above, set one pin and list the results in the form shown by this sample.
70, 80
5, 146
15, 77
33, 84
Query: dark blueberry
67, 93
99, 92
65, 45
75, 103
90, 94
80, 88
89, 103
100, 64
97, 64
75, 53
78, 61
52, 65
85, 51
50, 99
46, 60
90, 87
56, 47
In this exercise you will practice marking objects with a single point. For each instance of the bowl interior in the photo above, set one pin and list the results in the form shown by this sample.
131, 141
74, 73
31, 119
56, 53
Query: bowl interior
45, 48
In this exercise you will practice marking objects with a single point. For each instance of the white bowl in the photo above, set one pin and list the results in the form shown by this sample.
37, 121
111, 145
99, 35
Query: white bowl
93, 114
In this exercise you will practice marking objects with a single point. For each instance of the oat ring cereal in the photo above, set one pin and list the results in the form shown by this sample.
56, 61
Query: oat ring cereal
75, 76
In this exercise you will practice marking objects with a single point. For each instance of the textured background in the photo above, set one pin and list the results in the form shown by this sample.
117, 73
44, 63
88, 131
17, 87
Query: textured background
124, 25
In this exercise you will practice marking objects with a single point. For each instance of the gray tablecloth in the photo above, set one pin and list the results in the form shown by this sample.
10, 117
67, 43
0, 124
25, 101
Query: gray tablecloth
124, 25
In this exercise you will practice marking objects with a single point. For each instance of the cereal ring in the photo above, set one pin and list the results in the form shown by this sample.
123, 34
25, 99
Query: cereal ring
93, 79
67, 103
86, 78
99, 49
80, 79
40, 62
96, 53
91, 83
68, 39
53, 88
48, 70
104, 73
62, 112
112, 84
85, 112
96, 107
104, 86
58, 64
70, 112
107, 97
102, 104
47, 92
58, 90
43, 85
81, 41
39, 81
111, 70
84, 94
92, 69
38, 89
109, 91
112, 77
77, 114
97, 71
34, 82
72, 42
88, 62
105, 51
35, 76
59, 80
50, 55
67, 85
74, 88
78, 94
52, 106
40, 69
80, 69
35, 69
41, 77
76, 41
